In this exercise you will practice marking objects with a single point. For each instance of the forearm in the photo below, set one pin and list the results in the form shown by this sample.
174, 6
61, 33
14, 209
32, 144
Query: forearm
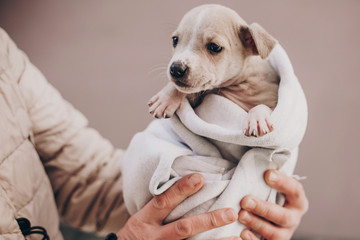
87, 184
83, 167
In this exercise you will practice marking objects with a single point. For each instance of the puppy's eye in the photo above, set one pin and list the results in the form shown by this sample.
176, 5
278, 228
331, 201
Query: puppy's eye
175, 40
213, 48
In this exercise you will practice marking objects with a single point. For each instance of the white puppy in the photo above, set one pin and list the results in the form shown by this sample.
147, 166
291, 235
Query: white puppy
216, 51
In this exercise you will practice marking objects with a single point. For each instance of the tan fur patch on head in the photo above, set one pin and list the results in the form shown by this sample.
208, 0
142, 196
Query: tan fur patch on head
200, 28
257, 40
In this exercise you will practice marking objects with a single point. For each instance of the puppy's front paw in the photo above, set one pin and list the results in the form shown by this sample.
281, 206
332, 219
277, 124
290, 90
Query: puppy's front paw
164, 106
258, 121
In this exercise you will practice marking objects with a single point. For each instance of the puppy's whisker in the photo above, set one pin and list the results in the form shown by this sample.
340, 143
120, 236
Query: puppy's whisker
158, 68
159, 65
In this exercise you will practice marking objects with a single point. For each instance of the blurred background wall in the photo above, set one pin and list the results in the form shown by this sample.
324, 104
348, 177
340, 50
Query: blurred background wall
109, 57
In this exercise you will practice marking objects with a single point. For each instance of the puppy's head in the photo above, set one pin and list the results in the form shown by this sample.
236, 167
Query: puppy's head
210, 45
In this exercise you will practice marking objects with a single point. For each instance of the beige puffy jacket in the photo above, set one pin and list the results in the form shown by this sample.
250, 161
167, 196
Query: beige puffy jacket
51, 163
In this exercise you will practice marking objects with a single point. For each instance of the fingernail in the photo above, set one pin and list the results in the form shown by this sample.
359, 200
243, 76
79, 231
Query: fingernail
250, 204
229, 215
195, 179
273, 176
244, 217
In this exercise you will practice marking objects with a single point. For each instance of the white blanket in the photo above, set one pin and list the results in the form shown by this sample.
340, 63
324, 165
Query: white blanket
210, 140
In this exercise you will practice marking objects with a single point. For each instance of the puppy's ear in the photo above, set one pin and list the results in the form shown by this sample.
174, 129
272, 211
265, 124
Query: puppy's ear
256, 40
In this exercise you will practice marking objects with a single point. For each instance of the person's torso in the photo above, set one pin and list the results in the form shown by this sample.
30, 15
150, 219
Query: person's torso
25, 190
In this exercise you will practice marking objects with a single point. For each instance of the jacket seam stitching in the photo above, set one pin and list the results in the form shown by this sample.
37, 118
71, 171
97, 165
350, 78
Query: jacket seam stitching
15, 149
32, 198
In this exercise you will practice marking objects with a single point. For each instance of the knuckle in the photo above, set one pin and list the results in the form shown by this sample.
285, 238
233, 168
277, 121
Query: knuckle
244, 217
256, 225
248, 235
278, 234
264, 210
275, 236
183, 228
283, 185
300, 194
268, 232
283, 220
298, 190
213, 219
161, 201
181, 188
281, 235
290, 220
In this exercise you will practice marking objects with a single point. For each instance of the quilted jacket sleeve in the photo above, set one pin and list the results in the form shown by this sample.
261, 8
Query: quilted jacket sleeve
83, 167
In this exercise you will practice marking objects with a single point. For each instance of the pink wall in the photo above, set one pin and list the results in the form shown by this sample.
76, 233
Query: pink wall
109, 57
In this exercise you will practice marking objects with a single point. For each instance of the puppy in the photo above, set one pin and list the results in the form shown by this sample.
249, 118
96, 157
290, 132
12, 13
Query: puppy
216, 51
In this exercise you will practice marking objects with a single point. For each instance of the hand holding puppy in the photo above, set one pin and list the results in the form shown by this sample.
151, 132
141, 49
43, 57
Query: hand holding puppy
148, 222
272, 221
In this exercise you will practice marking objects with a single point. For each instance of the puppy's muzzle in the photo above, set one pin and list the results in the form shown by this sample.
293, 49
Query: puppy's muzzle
178, 71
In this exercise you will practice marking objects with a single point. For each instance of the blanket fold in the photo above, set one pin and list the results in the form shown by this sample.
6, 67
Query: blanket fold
209, 140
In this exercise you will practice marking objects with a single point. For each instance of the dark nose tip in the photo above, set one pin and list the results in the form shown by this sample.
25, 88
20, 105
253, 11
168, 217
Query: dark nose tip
178, 69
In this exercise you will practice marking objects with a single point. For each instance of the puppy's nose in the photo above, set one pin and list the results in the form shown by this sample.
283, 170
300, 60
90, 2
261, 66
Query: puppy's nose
178, 69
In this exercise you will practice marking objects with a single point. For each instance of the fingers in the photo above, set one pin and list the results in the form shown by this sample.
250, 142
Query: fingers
257, 224
248, 235
231, 238
269, 211
148, 221
272, 221
160, 206
293, 189
190, 226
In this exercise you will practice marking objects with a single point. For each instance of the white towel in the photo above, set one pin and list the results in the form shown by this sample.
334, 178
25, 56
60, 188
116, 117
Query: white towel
210, 140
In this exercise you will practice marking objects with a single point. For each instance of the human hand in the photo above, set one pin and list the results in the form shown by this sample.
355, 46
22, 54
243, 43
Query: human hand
272, 221
148, 222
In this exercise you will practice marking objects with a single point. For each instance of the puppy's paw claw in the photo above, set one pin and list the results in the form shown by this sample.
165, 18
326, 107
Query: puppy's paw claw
264, 131
163, 106
153, 100
258, 121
